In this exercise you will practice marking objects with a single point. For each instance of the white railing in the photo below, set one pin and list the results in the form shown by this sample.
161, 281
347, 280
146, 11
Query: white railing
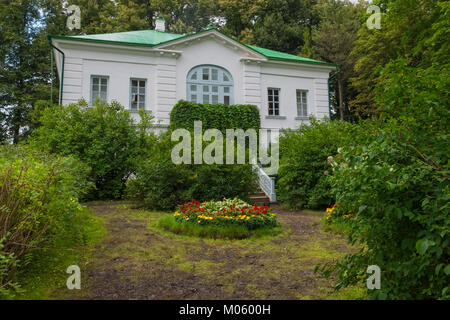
266, 183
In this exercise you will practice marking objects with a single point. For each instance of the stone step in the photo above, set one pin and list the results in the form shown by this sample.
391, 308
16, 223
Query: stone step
259, 199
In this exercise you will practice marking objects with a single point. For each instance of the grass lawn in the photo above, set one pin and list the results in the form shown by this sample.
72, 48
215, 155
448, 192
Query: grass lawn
136, 259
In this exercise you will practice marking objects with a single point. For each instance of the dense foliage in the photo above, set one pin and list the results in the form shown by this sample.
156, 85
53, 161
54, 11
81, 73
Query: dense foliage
394, 192
303, 173
161, 184
103, 136
214, 116
38, 201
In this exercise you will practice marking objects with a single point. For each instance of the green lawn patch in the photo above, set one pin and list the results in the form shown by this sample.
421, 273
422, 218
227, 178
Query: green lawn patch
231, 231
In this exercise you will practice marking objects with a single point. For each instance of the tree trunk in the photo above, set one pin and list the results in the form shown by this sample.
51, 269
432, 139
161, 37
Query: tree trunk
341, 98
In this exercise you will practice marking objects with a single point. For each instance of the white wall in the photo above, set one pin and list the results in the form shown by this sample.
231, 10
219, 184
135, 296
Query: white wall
166, 77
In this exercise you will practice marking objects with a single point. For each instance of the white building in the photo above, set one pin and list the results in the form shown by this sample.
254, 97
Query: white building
152, 70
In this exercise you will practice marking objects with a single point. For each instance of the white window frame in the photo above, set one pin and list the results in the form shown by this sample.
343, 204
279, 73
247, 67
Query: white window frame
274, 114
302, 105
100, 77
204, 89
130, 99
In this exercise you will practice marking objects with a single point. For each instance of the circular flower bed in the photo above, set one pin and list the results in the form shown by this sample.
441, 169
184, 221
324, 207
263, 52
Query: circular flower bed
226, 212
226, 219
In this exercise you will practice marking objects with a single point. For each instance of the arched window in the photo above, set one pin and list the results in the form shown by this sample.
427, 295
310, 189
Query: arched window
210, 84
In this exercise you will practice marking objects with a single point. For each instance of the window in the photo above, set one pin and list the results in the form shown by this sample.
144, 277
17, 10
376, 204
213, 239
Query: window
273, 97
137, 94
302, 104
99, 88
210, 84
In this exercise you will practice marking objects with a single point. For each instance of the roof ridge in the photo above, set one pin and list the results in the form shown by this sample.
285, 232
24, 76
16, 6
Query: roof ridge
155, 38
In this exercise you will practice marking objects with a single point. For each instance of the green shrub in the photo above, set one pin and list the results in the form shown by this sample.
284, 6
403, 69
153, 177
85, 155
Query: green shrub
161, 184
38, 200
302, 176
395, 191
104, 137
214, 116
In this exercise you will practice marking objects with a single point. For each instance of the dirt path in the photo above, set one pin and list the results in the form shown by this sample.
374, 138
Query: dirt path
138, 261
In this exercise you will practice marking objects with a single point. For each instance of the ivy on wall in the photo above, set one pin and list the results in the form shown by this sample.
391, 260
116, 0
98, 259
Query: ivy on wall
214, 116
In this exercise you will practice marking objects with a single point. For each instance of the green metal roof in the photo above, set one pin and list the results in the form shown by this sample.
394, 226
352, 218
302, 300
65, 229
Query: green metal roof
153, 38
142, 37
277, 55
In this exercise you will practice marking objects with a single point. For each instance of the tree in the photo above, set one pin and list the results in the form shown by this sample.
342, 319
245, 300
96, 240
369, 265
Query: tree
408, 30
334, 39
25, 64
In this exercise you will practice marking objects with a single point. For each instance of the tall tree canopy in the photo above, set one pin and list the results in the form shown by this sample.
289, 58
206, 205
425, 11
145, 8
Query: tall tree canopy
330, 30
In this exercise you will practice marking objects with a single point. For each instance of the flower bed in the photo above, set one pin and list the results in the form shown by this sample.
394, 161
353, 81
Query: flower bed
226, 212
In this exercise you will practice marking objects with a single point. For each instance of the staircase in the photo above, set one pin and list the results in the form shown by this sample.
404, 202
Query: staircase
260, 198
266, 193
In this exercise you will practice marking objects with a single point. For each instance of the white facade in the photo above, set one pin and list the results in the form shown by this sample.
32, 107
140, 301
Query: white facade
165, 69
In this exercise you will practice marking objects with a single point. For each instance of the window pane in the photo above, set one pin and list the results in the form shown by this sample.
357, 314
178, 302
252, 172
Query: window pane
194, 76
95, 88
142, 90
104, 81
141, 105
226, 89
205, 98
134, 89
134, 83
194, 98
205, 74
215, 89
193, 87
142, 83
205, 88
215, 99
225, 77
214, 74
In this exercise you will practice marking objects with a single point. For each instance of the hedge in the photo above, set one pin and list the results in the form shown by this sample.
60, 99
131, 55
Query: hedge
214, 116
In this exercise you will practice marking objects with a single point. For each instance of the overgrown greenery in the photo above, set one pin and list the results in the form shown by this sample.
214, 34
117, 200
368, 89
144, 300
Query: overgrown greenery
303, 173
160, 184
398, 188
214, 116
38, 204
103, 136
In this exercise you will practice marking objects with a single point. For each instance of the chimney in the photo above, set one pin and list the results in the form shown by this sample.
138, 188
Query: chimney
160, 24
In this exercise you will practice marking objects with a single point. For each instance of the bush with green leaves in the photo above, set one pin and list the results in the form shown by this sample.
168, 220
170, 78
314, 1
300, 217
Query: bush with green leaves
103, 136
214, 116
161, 184
397, 191
303, 173
38, 200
